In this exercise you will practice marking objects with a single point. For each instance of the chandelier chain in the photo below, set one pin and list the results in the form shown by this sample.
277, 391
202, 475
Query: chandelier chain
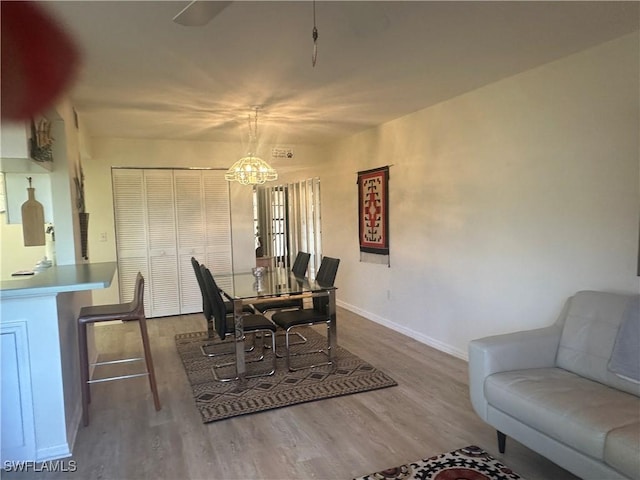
253, 130
251, 169
314, 35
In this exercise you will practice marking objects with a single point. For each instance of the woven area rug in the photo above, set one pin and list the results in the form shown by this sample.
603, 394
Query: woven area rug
469, 463
219, 400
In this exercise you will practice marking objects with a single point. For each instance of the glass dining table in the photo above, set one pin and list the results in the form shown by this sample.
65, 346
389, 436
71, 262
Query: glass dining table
244, 288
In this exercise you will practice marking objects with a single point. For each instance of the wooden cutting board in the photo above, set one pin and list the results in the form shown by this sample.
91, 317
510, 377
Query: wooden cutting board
32, 221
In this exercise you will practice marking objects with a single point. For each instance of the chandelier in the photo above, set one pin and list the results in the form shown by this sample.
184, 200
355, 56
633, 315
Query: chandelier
251, 169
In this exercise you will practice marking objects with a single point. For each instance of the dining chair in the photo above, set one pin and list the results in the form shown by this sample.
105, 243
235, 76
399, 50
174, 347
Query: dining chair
252, 323
208, 349
300, 264
206, 306
131, 311
289, 320
299, 269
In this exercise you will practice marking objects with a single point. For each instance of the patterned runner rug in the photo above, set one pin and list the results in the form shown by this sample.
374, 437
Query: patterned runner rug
469, 463
219, 400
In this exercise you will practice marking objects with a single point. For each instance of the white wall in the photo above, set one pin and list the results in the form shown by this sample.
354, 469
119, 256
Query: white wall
66, 156
14, 255
112, 152
503, 201
17, 194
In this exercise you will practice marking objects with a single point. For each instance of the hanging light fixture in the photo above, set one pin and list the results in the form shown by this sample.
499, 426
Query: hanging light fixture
251, 169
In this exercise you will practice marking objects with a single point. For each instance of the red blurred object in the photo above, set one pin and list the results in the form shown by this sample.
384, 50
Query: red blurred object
39, 60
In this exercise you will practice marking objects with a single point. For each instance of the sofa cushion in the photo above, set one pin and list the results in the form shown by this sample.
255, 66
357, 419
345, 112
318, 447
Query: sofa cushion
567, 407
625, 358
588, 336
621, 450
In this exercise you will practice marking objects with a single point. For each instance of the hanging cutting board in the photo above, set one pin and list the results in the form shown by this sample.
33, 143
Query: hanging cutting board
32, 220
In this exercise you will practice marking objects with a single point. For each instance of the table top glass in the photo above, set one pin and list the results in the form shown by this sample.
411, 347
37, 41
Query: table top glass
275, 281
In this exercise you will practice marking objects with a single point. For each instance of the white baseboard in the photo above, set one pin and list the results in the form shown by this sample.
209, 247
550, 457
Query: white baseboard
438, 345
74, 424
53, 453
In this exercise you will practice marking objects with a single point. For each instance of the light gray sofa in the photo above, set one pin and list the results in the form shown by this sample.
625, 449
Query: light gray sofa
559, 390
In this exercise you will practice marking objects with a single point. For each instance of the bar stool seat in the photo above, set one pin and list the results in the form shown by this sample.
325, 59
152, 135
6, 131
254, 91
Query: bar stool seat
133, 310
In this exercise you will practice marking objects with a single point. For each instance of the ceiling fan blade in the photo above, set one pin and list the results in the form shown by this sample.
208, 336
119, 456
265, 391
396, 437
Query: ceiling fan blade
199, 12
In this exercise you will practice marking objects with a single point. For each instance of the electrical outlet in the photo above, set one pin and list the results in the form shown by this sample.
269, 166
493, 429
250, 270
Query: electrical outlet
103, 236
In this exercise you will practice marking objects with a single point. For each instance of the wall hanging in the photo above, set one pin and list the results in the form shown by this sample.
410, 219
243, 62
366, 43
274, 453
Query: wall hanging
83, 216
41, 141
373, 215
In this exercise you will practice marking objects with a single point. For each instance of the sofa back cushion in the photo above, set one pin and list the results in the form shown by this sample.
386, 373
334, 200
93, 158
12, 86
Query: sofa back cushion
589, 334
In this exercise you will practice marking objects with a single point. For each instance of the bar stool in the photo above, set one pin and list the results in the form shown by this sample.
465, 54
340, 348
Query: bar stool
103, 313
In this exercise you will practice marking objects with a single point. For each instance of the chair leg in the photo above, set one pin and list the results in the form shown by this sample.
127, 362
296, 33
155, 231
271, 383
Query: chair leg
204, 346
210, 329
84, 372
502, 441
289, 355
149, 361
273, 350
302, 340
273, 369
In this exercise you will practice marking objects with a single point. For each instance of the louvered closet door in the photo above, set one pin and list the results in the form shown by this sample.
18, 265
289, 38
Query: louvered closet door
161, 243
163, 218
131, 232
217, 217
190, 235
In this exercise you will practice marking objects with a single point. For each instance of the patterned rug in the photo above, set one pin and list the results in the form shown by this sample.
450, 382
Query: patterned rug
219, 400
469, 463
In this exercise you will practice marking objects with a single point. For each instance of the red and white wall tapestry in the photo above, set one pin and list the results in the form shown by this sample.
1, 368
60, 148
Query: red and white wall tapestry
373, 215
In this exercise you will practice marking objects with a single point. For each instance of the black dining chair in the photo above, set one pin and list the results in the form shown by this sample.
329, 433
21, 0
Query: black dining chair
206, 307
252, 323
300, 264
289, 320
208, 349
299, 269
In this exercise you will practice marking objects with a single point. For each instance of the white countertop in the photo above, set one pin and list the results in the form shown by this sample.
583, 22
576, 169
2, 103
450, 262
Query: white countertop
63, 278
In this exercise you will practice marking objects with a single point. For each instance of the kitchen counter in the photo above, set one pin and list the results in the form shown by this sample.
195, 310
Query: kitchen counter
40, 376
56, 279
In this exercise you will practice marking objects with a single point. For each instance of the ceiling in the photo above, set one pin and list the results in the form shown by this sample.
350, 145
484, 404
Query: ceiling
144, 76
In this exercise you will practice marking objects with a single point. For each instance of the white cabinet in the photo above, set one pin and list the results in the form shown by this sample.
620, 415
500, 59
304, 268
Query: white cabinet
163, 218
16, 418
40, 401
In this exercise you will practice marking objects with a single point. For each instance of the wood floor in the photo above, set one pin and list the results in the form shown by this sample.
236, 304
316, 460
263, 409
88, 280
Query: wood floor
429, 412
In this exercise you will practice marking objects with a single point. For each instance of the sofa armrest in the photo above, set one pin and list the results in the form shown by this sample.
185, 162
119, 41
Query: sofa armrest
512, 351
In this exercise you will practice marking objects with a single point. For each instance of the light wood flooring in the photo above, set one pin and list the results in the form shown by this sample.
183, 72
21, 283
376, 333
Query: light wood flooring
429, 412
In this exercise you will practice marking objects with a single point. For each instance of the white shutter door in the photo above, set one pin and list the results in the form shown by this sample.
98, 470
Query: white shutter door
217, 224
163, 218
161, 241
131, 233
190, 234
189, 209
190, 295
